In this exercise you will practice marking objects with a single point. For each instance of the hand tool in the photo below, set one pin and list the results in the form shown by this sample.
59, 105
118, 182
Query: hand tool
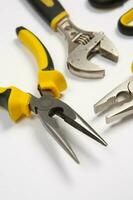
82, 45
51, 83
107, 3
121, 99
124, 24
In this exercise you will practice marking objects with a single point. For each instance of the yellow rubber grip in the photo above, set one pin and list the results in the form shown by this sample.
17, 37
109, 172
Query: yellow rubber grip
17, 102
35, 46
48, 3
49, 79
51, 11
132, 67
124, 25
55, 21
127, 18
52, 80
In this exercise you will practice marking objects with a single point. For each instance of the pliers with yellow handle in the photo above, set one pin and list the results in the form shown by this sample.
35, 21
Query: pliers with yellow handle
51, 84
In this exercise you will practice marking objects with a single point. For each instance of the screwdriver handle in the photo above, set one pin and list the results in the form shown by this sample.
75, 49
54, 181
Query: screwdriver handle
16, 102
49, 78
51, 10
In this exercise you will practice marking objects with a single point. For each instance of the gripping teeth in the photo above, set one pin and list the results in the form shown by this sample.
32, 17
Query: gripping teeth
120, 112
102, 105
120, 100
118, 96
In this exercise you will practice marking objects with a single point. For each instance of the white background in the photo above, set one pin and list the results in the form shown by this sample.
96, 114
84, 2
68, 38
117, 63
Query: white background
32, 165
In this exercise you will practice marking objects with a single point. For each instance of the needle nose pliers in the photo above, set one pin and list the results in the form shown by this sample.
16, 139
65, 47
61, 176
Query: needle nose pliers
51, 84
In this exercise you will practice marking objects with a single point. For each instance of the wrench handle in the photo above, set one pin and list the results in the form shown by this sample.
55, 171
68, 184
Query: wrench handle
51, 11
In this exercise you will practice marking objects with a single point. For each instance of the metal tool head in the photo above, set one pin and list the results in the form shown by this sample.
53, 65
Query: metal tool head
47, 107
120, 100
83, 46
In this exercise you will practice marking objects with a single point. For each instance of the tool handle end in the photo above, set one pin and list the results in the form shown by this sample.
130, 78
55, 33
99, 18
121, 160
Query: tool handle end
51, 10
15, 101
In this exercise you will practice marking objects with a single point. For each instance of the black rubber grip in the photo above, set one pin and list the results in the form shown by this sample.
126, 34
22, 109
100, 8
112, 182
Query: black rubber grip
126, 30
4, 97
123, 24
45, 10
107, 3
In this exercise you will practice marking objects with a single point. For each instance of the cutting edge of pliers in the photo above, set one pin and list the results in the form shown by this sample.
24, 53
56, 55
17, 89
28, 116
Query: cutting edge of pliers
119, 102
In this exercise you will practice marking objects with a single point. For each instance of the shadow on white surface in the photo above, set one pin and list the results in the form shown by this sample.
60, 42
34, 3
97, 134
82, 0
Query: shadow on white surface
46, 141
5, 121
120, 123
41, 134
115, 125
122, 36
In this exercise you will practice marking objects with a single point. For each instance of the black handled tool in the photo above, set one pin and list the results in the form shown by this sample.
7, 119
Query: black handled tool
48, 107
82, 45
124, 24
107, 3
52, 11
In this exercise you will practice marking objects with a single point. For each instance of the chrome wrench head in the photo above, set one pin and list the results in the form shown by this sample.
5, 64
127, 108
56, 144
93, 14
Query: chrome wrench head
120, 100
82, 46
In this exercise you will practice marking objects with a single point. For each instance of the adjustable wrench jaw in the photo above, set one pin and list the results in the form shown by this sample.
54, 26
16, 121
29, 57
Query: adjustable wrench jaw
78, 60
108, 50
120, 100
82, 46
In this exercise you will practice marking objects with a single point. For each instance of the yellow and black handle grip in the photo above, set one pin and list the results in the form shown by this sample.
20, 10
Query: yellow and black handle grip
124, 24
51, 10
16, 101
49, 78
